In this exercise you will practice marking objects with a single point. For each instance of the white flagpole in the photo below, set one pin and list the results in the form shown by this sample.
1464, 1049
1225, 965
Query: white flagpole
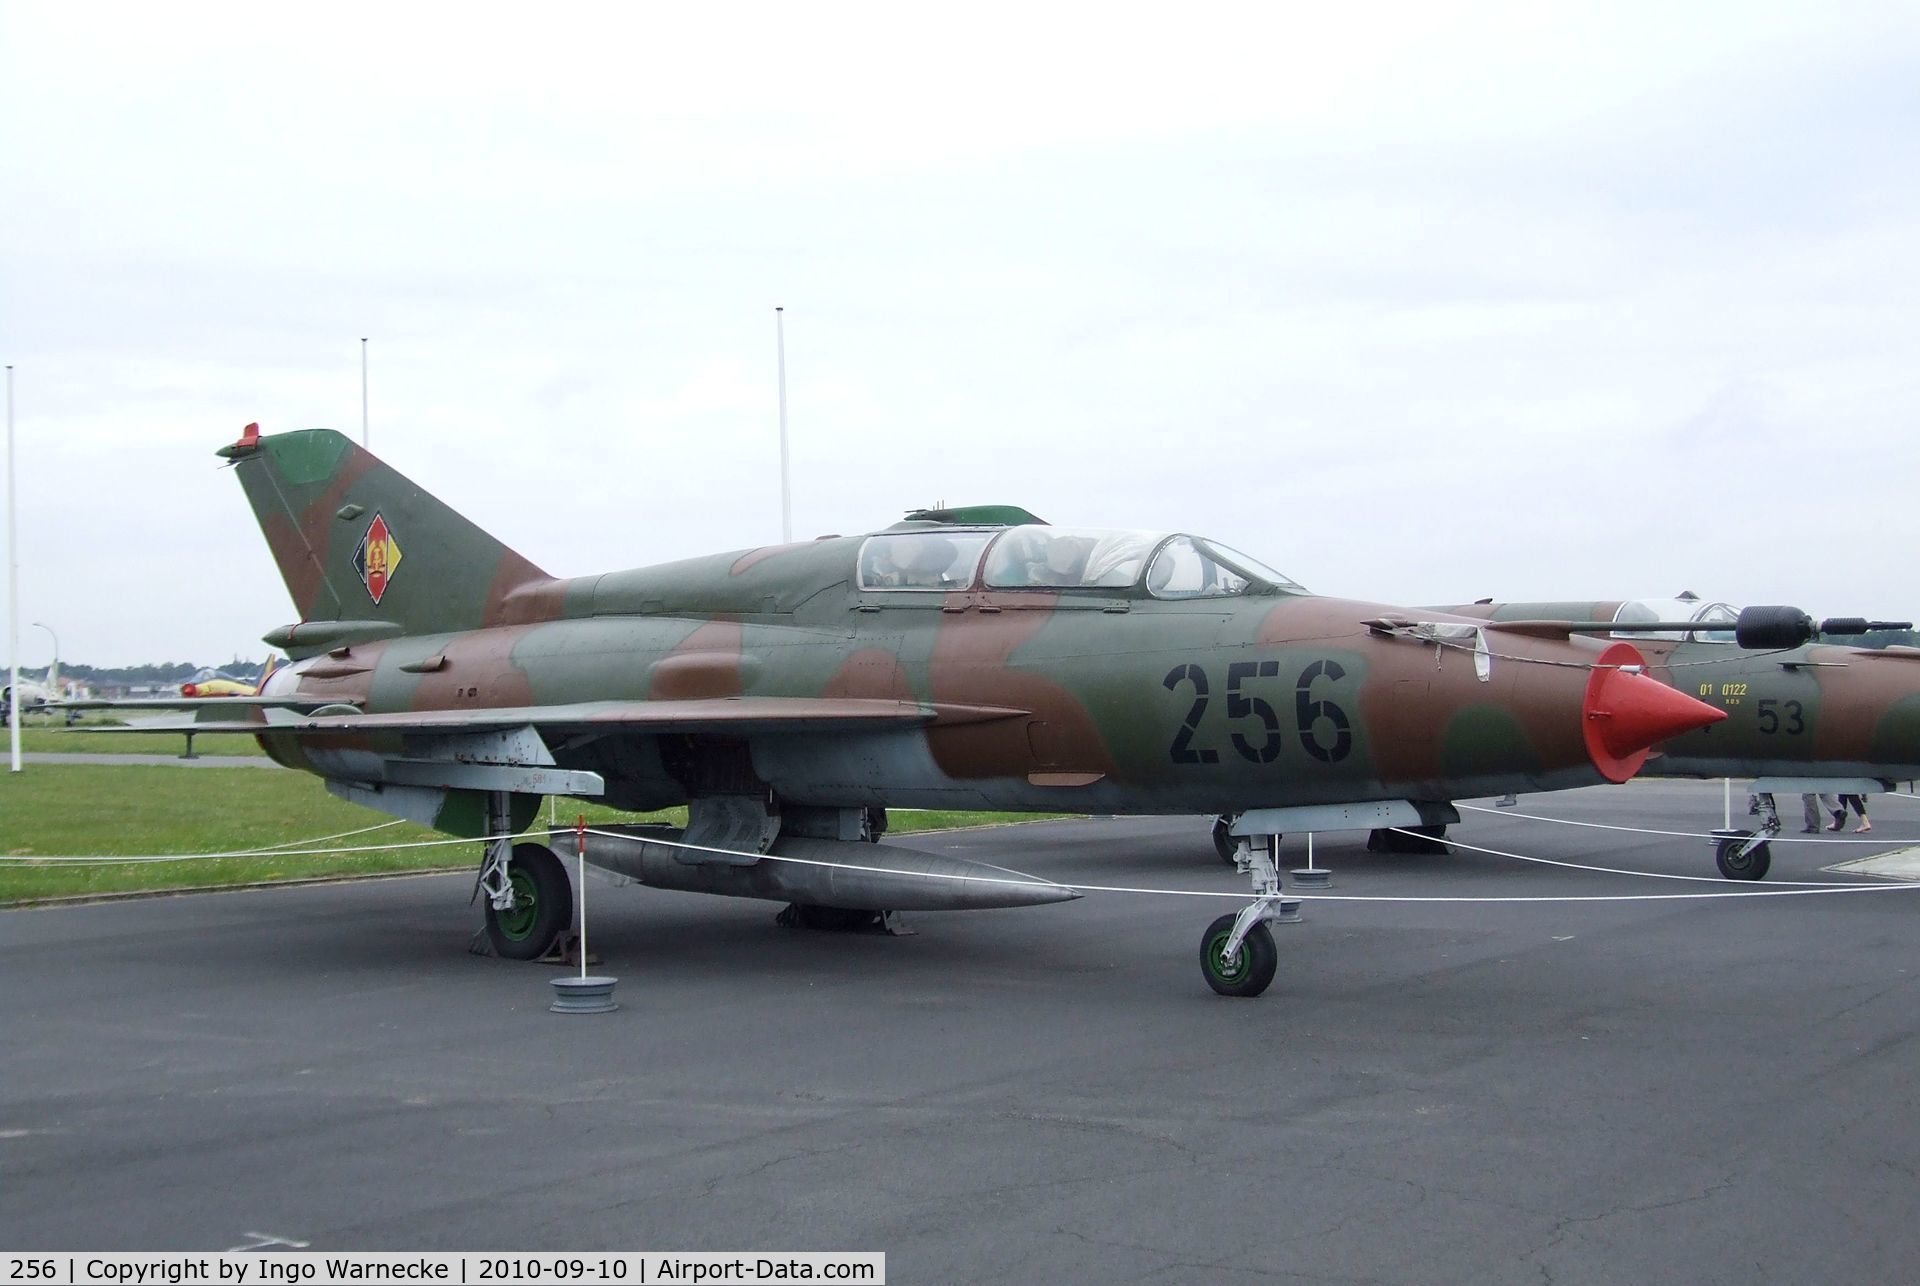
13, 590
786, 489
363, 392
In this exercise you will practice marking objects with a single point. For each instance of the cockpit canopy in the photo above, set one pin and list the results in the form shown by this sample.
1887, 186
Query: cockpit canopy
1165, 565
1679, 609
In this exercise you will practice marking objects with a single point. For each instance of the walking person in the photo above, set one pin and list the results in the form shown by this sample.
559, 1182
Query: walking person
1858, 803
1812, 809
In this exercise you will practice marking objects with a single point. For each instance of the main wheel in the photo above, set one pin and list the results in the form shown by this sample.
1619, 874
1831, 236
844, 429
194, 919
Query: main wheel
1753, 866
1223, 841
542, 904
1226, 843
1250, 971
833, 919
1423, 839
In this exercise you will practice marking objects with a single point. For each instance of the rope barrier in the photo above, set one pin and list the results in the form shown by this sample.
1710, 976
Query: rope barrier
1637, 667
1648, 830
1776, 891
109, 859
1618, 870
1014, 879
317, 839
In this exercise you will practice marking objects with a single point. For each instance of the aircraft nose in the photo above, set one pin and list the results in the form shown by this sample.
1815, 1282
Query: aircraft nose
1628, 713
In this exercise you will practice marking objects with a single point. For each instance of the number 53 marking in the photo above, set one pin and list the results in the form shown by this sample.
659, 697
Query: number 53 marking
1770, 718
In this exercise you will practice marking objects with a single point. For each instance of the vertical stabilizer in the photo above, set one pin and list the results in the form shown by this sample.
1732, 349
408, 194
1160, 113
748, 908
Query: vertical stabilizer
355, 540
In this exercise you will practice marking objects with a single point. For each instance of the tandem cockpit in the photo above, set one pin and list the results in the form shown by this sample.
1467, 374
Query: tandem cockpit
1161, 565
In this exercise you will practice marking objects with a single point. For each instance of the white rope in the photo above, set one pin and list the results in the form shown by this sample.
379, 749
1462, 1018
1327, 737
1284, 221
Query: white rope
108, 859
1617, 870
319, 839
1290, 895
1783, 889
1638, 667
1648, 830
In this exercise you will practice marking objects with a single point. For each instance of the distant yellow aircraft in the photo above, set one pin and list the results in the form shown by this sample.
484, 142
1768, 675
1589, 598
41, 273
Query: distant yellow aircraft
221, 686
217, 688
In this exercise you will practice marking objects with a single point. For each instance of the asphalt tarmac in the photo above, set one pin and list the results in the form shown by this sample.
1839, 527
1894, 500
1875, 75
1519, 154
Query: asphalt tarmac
1697, 1090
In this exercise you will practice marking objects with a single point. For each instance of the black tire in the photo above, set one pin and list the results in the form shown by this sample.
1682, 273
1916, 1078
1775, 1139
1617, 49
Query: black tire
832, 919
542, 904
1251, 972
1223, 841
1726, 856
1423, 840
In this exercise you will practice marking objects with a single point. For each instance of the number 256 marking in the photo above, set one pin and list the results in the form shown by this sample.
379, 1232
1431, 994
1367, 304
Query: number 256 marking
1324, 730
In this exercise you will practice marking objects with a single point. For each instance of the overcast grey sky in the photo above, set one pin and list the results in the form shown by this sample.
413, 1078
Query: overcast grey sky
1418, 304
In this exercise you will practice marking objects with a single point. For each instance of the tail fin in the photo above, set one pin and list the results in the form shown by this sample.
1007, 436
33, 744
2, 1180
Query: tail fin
360, 545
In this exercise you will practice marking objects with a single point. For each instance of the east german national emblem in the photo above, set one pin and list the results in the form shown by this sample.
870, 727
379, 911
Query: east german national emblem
376, 558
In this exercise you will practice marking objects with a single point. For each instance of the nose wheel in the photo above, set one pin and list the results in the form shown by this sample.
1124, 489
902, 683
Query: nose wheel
1237, 953
1249, 968
1743, 855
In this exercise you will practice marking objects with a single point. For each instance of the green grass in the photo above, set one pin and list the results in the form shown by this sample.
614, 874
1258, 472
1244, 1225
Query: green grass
49, 739
52, 810
110, 810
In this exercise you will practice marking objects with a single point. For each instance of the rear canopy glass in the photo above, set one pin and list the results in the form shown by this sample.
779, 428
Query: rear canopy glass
1069, 558
927, 560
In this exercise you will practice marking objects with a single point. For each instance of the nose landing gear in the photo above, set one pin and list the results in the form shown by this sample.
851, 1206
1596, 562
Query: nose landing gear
1746, 855
1237, 953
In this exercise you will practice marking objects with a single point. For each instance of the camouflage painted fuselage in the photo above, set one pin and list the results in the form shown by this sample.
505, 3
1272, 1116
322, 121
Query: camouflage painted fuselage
1127, 703
1814, 710
823, 692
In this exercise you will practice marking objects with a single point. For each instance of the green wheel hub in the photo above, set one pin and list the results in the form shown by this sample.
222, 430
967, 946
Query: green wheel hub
542, 904
1251, 970
517, 922
1217, 964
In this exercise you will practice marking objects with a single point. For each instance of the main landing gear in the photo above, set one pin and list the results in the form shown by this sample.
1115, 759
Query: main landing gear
1225, 843
534, 908
529, 897
1237, 953
1426, 839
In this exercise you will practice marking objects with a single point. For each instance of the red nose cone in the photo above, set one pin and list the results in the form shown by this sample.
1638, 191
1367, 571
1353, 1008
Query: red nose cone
1628, 714
189, 690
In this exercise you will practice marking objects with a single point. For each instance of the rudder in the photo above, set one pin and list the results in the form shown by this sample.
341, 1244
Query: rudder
357, 541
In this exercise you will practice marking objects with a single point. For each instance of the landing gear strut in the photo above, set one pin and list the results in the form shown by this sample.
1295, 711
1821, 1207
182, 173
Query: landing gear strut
529, 897
1224, 842
1237, 953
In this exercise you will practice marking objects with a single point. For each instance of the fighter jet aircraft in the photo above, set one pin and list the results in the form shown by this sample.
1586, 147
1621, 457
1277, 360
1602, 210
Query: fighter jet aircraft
789, 695
1803, 714
33, 697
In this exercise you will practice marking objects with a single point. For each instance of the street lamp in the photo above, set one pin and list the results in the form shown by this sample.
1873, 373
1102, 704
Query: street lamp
53, 671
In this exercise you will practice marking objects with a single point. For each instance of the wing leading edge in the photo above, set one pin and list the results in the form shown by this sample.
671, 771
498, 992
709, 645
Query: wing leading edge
717, 714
